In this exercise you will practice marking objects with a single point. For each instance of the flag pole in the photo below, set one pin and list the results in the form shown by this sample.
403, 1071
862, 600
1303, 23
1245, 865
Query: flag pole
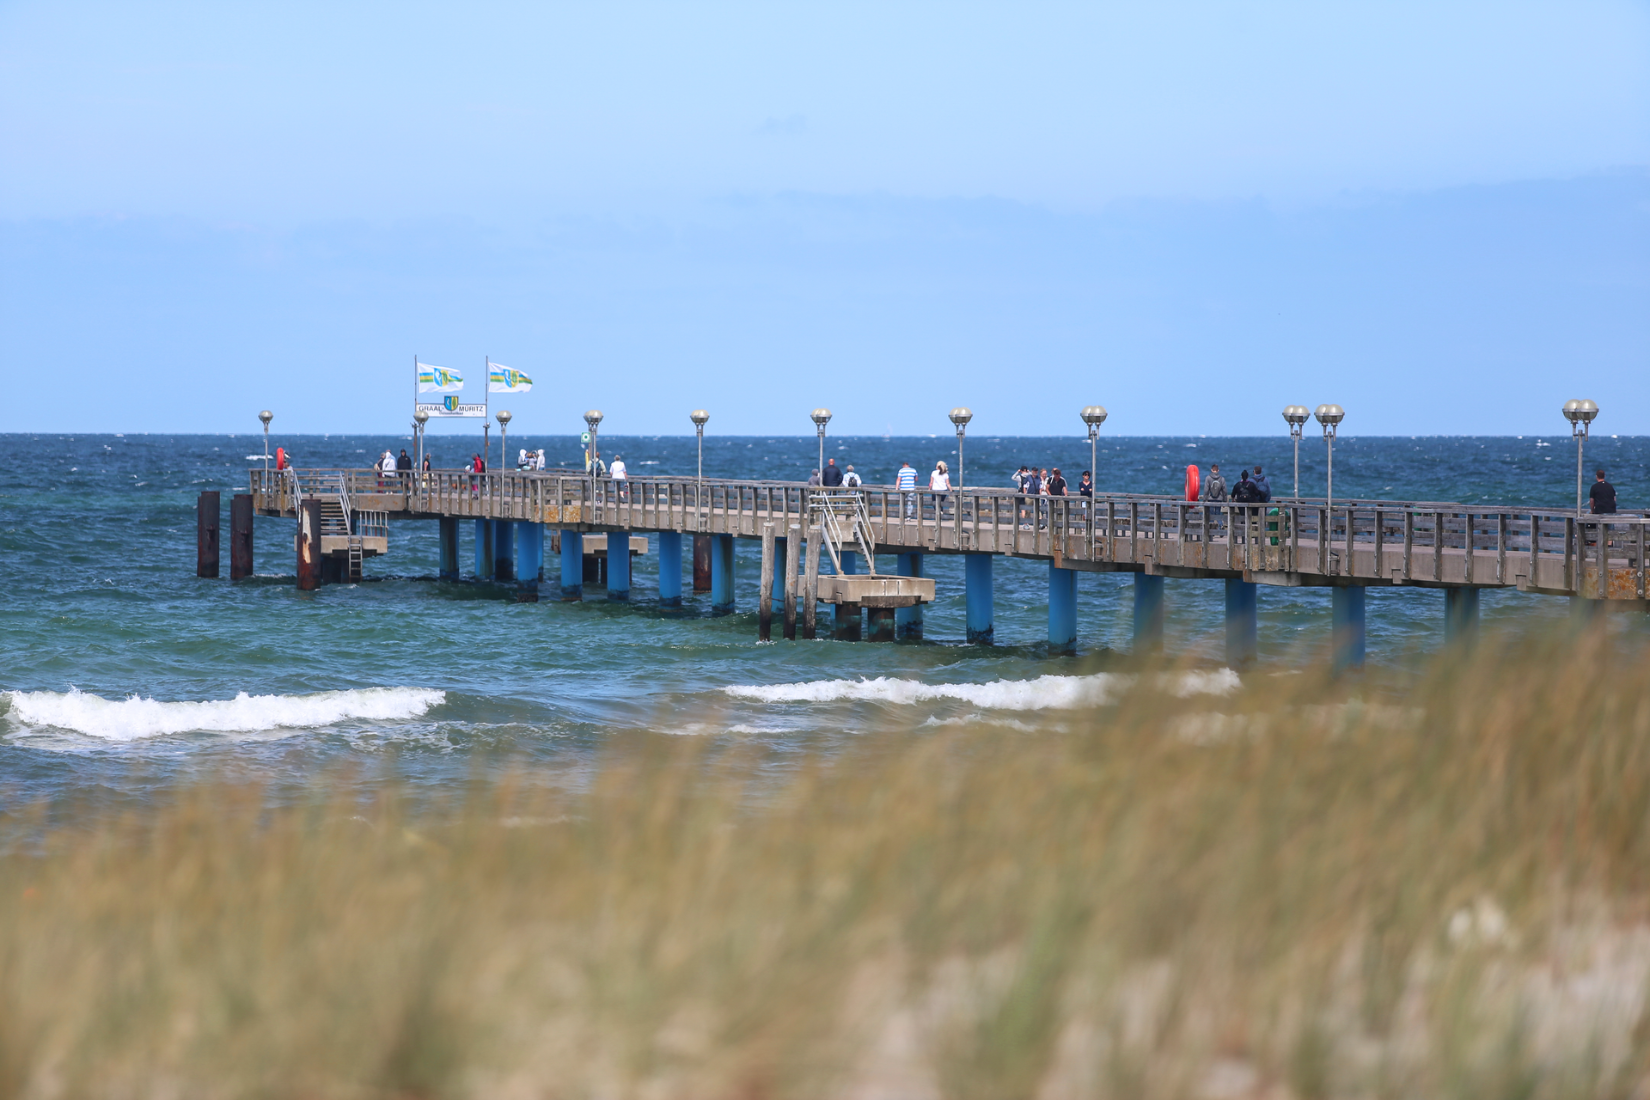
487, 411
418, 436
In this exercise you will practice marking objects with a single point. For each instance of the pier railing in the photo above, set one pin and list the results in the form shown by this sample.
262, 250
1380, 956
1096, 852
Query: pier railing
1288, 541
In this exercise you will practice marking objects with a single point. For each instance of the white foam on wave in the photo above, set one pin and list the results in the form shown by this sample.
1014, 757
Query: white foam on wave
1043, 693
134, 717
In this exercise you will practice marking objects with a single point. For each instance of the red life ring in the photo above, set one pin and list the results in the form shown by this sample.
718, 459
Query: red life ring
280, 458
1191, 483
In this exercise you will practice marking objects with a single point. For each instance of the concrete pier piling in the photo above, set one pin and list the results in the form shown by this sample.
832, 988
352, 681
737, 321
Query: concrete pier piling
1148, 612
529, 560
721, 574
448, 536
1242, 622
977, 578
1347, 628
670, 568
207, 555
240, 536
881, 623
618, 565
850, 563
847, 627
764, 599
504, 551
1460, 615
810, 587
1062, 608
484, 550
309, 545
701, 563
572, 565
794, 538
907, 620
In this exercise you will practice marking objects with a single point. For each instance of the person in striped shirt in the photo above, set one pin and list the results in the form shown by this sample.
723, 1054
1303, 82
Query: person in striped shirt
906, 482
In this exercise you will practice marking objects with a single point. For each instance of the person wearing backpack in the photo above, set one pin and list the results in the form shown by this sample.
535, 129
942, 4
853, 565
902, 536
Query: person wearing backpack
1246, 492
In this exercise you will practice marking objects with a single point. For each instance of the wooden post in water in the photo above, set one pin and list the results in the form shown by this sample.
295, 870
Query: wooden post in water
701, 563
810, 587
764, 599
207, 556
793, 544
309, 545
240, 536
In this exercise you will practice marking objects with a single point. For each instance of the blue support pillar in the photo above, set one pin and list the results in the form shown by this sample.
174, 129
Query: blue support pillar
1148, 612
484, 549
1062, 607
618, 565
448, 526
781, 558
504, 550
670, 568
977, 577
850, 563
1242, 622
1347, 624
572, 565
908, 620
529, 558
1460, 614
721, 574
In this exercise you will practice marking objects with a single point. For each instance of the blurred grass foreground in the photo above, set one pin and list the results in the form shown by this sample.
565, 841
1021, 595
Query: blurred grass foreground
1430, 887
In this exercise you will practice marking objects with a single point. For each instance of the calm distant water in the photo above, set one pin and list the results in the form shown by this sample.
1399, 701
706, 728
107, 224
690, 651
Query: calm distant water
123, 673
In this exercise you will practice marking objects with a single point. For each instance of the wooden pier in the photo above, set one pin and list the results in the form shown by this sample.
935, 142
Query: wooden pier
1346, 546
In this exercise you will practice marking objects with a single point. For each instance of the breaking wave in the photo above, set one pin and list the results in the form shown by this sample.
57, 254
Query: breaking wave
1043, 693
134, 717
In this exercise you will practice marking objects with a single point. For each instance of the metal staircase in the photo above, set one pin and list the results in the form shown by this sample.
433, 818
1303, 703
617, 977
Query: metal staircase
841, 516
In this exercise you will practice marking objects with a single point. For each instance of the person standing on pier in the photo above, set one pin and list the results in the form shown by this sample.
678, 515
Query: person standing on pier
1056, 484
620, 475
1602, 497
939, 483
831, 476
851, 480
906, 482
1263, 485
813, 480
428, 464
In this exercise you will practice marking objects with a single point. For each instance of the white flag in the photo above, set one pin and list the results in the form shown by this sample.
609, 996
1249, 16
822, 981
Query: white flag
439, 379
504, 380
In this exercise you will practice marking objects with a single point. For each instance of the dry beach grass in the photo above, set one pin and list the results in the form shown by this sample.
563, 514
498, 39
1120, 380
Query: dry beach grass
1301, 889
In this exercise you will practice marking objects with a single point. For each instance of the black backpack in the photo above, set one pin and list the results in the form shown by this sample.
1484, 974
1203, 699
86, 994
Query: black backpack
1246, 492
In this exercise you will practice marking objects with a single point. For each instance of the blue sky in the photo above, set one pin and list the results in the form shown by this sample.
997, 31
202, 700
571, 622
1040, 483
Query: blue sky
1436, 215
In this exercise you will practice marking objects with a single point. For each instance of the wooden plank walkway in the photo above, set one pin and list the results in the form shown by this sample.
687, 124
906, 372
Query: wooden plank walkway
1286, 542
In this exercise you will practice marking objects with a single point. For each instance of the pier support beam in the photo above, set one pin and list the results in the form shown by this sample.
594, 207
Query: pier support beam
907, 620
484, 549
1148, 612
448, 535
207, 555
701, 563
764, 597
850, 563
572, 565
240, 536
979, 613
792, 539
1347, 624
1460, 615
810, 587
1242, 622
670, 568
848, 623
504, 550
529, 561
1062, 608
618, 565
721, 574
309, 545
881, 621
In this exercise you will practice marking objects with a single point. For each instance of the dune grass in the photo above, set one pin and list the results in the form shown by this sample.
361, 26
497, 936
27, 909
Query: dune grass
1305, 888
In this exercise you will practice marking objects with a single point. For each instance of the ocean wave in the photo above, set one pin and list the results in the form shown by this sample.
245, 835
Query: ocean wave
1043, 693
135, 717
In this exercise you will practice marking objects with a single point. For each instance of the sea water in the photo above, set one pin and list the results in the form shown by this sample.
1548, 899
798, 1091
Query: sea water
122, 673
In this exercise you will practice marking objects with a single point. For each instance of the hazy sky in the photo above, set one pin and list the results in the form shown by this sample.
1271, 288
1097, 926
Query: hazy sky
1437, 215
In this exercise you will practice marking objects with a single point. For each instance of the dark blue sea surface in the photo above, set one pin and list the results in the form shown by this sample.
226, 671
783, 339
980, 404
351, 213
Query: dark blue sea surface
122, 673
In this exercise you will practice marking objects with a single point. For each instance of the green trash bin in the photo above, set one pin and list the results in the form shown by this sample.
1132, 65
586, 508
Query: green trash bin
1276, 525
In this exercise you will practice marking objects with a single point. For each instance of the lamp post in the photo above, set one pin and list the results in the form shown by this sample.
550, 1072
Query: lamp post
1580, 414
266, 416
419, 419
1297, 416
821, 417
960, 417
1094, 416
591, 420
699, 418
503, 438
1330, 416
